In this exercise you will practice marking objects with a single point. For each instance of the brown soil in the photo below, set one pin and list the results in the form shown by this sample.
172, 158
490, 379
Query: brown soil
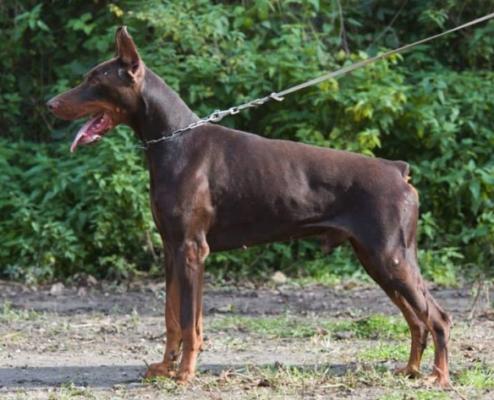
94, 342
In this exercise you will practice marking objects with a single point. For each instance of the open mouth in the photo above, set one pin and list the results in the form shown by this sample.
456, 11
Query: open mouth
93, 130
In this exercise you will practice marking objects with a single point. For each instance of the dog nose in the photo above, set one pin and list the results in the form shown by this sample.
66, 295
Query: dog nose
52, 104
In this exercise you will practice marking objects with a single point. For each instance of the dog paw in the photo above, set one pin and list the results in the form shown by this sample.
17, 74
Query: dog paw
184, 377
411, 372
159, 369
435, 380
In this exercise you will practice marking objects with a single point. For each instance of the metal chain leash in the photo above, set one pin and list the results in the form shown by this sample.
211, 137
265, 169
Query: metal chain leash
218, 115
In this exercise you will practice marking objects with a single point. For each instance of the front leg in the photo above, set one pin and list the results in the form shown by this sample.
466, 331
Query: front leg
172, 322
189, 267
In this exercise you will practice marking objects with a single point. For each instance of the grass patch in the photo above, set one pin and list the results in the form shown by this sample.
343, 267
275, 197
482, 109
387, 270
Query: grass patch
392, 351
280, 326
328, 279
380, 326
316, 381
8, 313
377, 326
385, 352
256, 382
269, 382
479, 376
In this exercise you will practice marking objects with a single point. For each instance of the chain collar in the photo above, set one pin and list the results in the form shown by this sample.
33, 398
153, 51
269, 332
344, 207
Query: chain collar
214, 117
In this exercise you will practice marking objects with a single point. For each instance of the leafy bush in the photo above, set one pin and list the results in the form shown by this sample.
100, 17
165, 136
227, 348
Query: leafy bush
65, 214
62, 214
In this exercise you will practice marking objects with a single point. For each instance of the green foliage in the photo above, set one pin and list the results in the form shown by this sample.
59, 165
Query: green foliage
89, 212
65, 212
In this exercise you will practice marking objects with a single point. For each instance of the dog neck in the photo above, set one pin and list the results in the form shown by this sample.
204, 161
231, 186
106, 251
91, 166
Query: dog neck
161, 111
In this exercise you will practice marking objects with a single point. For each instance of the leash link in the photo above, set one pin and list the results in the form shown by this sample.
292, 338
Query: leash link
276, 96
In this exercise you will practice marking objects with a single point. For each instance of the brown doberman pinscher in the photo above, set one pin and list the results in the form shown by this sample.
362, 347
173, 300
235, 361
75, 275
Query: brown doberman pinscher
215, 188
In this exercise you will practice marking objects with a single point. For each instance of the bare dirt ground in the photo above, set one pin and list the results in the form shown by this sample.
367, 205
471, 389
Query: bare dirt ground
273, 342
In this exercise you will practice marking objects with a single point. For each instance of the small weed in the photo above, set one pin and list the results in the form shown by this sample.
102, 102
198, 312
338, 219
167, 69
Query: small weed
164, 384
135, 319
58, 328
70, 391
417, 395
13, 338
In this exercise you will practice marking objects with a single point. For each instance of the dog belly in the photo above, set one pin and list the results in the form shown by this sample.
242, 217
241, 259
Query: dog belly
243, 236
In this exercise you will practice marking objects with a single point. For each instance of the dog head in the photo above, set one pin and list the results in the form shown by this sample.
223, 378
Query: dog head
108, 94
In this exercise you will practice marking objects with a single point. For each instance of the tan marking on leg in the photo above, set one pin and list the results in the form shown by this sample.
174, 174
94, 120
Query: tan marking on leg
439, 324
194, 255
173, 333
418, 332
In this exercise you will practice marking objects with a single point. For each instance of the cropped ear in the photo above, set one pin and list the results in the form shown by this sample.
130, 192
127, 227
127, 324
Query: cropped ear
128, 54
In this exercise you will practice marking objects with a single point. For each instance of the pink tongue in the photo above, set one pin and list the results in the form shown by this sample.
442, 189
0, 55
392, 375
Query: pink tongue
84, 135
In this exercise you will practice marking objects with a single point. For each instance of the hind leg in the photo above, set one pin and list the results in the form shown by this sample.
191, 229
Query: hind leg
439, 324
400, 278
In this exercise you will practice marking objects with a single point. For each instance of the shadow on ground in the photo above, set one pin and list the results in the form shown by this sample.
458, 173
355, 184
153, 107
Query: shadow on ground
107, 376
